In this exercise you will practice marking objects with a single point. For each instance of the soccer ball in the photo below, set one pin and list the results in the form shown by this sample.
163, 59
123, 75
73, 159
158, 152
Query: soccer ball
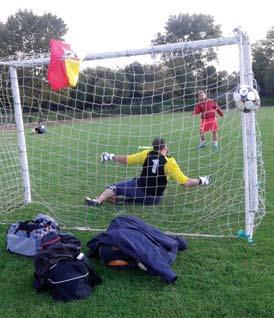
247, 98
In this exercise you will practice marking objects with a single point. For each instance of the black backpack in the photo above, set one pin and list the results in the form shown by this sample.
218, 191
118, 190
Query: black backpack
64, 271
72, 279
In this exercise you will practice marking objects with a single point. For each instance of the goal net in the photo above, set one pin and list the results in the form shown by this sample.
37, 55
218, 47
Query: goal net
122, 101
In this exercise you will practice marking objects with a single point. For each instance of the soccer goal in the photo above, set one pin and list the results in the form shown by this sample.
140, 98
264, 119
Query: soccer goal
121, 102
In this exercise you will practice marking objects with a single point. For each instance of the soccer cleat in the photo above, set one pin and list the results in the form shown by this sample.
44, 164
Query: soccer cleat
91, 202
201, 146
216, 147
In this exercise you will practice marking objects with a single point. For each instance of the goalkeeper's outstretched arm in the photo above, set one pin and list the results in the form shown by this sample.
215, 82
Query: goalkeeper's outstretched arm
105, 156
120, 159
200, 181
191, 182
133, 159
175, 172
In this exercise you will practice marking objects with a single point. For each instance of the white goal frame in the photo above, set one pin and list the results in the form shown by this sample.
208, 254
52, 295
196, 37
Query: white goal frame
247, 118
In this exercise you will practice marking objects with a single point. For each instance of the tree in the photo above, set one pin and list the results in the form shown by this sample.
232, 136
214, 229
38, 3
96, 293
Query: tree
135, 76
263, 58
25, 32
29, 33
150, 84
269, 80
184, 28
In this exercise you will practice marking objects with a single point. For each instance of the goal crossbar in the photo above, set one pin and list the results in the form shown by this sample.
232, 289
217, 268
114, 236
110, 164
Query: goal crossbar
181, 46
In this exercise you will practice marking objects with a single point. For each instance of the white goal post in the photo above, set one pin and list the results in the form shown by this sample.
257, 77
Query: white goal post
121, 102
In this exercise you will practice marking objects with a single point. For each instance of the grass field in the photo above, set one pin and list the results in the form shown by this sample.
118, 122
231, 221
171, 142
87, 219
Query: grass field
65, 167
216, 277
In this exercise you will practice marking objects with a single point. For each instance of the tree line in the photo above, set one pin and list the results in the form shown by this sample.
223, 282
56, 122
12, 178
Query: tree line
144, 87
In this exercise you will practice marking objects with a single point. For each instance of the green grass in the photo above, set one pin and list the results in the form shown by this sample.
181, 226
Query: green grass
216, 277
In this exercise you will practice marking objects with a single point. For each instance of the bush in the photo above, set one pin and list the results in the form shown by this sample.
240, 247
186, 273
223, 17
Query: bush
267, 101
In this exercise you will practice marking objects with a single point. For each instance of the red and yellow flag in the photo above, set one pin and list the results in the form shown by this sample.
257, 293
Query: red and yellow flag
64, 66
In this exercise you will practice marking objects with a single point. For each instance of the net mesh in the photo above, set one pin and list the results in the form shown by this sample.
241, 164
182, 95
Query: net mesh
120, 105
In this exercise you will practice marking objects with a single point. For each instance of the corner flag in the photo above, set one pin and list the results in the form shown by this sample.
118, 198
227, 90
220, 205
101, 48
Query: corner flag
64, 66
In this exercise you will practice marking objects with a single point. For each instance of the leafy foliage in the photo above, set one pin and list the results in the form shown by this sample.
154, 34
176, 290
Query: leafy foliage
263, 56
269, 80
29, 33
143, 87
185, 27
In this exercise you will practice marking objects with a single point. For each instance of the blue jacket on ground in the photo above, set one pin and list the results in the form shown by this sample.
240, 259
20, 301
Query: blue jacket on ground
143, 242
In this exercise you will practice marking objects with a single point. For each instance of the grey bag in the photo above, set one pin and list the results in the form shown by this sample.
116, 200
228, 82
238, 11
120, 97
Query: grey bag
24, 237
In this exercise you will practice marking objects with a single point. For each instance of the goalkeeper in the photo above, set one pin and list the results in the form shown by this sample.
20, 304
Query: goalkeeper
150, 186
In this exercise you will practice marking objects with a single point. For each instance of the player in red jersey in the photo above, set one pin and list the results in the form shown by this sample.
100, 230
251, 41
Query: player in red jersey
207, 108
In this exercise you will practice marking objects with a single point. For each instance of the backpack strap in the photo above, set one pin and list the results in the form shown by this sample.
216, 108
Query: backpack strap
94, 277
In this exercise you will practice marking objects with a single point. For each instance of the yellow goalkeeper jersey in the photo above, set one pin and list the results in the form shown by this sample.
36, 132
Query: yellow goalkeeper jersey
171, 167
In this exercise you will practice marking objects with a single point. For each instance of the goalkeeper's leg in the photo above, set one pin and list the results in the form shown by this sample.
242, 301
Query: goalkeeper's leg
108, 194
128, 190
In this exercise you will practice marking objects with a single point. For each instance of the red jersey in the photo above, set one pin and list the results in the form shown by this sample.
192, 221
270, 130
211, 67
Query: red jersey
207, 109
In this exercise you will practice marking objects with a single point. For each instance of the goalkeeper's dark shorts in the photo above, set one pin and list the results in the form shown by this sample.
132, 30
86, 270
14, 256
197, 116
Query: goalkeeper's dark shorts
130, 191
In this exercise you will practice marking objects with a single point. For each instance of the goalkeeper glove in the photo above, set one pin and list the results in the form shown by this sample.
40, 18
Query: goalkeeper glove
105, 156
206, 180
